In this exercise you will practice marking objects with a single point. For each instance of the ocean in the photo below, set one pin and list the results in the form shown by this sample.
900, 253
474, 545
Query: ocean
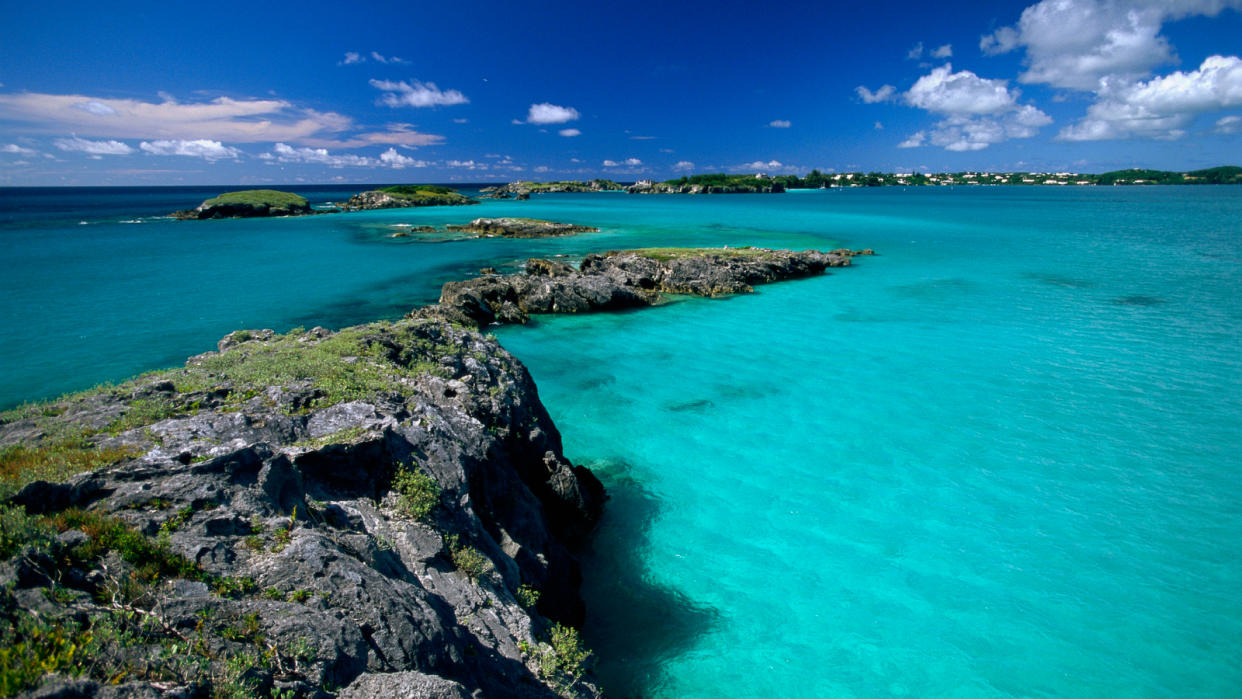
998, 459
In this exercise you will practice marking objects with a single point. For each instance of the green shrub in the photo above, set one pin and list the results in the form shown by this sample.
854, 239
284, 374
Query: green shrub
419, 492
527, 596
467, 558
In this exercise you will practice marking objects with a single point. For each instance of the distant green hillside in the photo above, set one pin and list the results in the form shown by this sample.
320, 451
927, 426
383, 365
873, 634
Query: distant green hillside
259, 198
427, 194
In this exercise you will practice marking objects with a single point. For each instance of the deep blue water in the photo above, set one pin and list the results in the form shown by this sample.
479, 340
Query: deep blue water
999, 459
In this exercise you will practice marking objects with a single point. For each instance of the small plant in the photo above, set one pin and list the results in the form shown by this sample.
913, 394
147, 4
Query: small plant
565, 662
300, 595
419, 492
467, 558
178, 520
234, 588
274, 594
254, 542
527, 596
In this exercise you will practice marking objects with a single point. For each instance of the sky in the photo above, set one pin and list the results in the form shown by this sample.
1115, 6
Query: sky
176, 93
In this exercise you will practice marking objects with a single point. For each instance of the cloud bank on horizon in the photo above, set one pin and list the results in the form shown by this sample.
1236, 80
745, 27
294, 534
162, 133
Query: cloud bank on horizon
1087, 81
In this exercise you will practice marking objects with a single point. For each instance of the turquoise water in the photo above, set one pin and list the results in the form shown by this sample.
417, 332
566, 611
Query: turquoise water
1000, 458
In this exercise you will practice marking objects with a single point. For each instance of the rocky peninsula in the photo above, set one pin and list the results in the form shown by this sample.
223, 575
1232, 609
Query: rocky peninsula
522, 189
382, 511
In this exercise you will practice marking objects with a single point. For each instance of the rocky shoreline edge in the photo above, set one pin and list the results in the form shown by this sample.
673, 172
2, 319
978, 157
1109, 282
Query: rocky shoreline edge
381, 511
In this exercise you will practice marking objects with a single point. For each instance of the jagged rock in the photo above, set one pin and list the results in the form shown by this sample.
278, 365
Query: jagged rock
519, 228
292, 488
624, 279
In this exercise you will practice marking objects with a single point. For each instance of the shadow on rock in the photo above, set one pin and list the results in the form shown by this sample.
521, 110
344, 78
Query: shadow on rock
634, 625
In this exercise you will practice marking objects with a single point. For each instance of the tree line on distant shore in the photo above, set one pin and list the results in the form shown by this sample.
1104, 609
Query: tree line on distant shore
1229, 174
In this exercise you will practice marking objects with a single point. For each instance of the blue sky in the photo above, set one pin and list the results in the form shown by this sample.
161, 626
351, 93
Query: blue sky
256, 93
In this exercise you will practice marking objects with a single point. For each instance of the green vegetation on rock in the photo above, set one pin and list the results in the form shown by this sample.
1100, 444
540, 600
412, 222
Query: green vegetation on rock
427, 195
666, 254
258, 198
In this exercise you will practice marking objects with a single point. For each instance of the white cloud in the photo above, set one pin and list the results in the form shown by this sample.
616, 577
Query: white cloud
198, 148
222, 119
14, 148
397, 161
879, 126
544, 113
416, 94
611, 163
319, 156
1077, 43
884, 94
915, 140
946, 92
542, 168
570, 133
389, 59
942, 52
1161, 107
760, 165
351, 58
1229, 125
81, 145
633, 162
780, 124
461, 120
683, 166
468, 164
916, 52
978, 111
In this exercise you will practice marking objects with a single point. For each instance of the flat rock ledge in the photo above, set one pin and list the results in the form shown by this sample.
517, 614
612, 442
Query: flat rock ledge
624, 279
519, 228
385, 511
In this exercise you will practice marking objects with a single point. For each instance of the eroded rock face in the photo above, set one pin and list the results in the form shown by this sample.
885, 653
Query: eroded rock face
624, 279
346, 588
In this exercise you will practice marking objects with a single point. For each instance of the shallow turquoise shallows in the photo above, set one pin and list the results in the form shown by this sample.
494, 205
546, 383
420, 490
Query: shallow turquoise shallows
1001, 458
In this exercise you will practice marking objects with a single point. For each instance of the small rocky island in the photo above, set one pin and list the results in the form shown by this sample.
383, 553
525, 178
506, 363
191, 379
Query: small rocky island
261, 203
383, 511
625, 279
522, 189
519, 228
406, 196
251, 203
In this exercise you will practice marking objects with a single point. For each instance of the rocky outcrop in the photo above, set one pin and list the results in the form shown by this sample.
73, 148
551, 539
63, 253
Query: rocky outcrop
519, 228
373, 511
518, 189
380, 199
255, 203
625, 279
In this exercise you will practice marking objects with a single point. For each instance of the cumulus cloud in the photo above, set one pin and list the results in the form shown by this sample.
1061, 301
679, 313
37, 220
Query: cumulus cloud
946, 92
222, 119
915, 140
942, 52
415, 94
916, 52
352, 57
1077, 43
978, 112
780, 124
469, 164
319, 156
683, 166
14, 148
82, 145
198, 148
1161, 107
760, 165
545, 113
569, 133
884, 94
395, 160
387, 59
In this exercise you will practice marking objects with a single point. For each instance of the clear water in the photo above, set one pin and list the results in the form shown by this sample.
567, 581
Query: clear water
1001, 458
